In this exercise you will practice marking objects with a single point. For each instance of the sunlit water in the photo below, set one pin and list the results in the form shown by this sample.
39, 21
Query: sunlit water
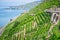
6, 15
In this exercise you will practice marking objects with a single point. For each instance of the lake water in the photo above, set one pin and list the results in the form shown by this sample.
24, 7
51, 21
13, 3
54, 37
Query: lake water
6, 15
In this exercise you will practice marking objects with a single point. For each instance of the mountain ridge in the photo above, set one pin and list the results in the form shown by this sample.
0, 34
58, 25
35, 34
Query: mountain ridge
24, 7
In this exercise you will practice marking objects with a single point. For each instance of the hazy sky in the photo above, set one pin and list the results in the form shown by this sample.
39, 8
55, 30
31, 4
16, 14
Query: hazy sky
14, 2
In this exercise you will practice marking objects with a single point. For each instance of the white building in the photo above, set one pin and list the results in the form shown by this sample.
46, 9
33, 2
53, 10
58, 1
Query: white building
55, 17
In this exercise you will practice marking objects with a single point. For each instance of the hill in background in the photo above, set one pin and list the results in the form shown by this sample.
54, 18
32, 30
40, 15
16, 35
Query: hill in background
24, 7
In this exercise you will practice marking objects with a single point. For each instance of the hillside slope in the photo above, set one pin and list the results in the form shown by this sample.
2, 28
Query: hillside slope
33, 25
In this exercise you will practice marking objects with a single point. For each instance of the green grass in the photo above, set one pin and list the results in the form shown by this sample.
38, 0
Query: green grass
24, 24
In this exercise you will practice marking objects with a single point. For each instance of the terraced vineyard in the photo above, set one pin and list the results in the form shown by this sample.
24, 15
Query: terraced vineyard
33, 25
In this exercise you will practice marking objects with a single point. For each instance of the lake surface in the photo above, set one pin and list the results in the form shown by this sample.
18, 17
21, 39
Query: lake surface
6, 15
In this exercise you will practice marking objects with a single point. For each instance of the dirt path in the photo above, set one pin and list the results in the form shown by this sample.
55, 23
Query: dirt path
51, 28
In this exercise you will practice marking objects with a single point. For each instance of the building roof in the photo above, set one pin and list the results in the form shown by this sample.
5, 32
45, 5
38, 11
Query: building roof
53, 10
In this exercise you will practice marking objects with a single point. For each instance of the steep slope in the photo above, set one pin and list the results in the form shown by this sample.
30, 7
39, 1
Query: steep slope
33, 25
